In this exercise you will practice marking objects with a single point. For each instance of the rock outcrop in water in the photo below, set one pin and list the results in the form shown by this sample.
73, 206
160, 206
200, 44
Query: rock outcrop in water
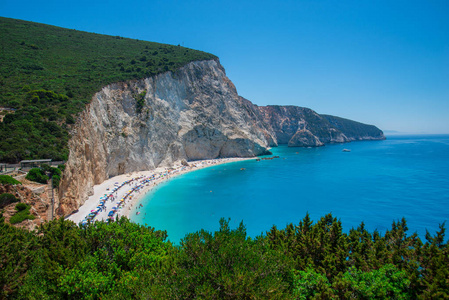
194, 113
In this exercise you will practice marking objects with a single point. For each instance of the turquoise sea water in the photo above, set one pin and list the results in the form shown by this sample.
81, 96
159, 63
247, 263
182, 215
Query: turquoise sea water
377, 182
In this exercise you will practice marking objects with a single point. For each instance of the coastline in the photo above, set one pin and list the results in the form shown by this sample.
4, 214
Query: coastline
132, 188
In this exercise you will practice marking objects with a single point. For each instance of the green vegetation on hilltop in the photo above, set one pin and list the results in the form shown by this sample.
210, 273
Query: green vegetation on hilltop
124, 260
48, 74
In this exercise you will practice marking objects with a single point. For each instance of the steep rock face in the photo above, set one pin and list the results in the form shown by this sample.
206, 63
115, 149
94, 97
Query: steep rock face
355, 131
299, 126
303, 127
192, 114
256, 119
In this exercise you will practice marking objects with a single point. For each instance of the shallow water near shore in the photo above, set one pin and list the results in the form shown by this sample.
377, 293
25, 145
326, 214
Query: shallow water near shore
377, 182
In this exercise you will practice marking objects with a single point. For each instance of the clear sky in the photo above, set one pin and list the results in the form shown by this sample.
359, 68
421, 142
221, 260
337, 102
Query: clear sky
379, 62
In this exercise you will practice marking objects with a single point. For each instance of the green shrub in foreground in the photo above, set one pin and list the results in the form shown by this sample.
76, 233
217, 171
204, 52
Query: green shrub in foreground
386, 283
37, 175
6, 179
6, 199
23, 213
56, 180
124, 260
227, 264
21, 206
45, 168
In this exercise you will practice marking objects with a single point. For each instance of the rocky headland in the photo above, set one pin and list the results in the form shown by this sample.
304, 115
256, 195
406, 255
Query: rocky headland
303, 127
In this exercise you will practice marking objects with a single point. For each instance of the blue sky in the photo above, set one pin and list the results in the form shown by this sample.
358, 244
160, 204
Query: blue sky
378, 62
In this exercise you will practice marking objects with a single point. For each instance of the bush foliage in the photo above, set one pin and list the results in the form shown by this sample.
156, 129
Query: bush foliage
48, 74
129, 261
37, 175
6, 199
6, 179
23, 213
21, 206
40, 174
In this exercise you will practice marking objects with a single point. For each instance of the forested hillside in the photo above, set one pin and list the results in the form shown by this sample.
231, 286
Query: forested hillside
123, 260
48, 74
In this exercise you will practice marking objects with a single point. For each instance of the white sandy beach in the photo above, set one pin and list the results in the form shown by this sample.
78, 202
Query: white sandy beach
139, 183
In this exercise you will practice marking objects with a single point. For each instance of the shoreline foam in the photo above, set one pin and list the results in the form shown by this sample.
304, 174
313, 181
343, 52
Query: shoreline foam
108, 185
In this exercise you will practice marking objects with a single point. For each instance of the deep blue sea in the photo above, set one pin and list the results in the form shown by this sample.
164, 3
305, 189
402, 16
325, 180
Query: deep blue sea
377, 182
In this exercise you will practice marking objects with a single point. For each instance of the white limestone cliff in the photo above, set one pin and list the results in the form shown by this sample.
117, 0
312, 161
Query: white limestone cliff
194, 113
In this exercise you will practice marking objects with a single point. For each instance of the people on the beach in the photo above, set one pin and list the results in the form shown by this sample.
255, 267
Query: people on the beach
137, 184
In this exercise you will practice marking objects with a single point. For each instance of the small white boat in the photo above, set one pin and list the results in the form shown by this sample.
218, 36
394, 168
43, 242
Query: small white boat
346, 150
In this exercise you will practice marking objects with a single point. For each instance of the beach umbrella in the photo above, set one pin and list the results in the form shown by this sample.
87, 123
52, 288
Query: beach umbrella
110, 214
92, 210
114, 208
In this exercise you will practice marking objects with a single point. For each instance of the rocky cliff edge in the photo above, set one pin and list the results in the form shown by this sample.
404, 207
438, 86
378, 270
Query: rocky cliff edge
194, 113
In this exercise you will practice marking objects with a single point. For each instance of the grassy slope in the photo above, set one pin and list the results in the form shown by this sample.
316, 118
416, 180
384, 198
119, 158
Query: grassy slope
72, 64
